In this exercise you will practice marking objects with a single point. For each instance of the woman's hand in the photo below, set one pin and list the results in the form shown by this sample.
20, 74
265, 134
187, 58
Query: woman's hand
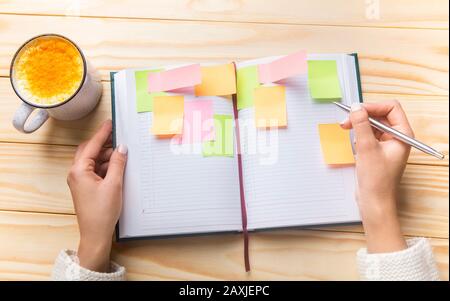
95, 180
380, 162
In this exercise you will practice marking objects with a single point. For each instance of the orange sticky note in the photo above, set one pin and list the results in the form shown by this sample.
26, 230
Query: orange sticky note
336, 145
168, 112
270, 106
217, 81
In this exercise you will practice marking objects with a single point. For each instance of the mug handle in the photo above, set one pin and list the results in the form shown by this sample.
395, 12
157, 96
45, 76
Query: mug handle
21, 117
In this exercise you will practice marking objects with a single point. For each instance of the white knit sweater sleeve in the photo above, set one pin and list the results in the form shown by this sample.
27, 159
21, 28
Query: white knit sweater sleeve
414, 263
66, 268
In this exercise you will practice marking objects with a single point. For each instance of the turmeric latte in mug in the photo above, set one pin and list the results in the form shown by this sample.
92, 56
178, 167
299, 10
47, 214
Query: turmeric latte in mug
50, 74
49, 70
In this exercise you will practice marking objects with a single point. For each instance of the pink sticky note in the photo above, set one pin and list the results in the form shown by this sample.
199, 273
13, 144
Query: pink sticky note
187, 76
198, 122
282, 68
184, 91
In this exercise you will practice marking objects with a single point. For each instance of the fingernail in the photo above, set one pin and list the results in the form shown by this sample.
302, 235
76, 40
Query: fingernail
123, 149
343, 121
356, 106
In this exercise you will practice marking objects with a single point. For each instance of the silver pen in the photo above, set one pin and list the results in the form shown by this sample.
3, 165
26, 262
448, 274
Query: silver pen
400, 136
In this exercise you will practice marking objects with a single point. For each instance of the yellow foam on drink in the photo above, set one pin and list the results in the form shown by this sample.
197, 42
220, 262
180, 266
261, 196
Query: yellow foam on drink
49, 70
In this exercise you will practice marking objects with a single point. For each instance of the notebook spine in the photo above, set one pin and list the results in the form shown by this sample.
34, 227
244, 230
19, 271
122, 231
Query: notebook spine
114, 141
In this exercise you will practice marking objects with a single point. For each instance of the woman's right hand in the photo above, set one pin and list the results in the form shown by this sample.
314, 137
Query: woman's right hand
380, 162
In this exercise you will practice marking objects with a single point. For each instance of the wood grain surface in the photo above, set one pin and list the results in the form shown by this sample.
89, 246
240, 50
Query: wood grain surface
403, 51
392, 60
383, 13
31, 241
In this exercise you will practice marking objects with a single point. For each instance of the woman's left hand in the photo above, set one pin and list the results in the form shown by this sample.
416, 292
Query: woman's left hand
95, 181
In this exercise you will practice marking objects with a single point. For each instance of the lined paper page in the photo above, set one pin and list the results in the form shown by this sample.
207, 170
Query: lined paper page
286, 182
177, 189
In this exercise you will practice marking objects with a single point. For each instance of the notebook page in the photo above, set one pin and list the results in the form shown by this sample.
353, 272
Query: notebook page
176, 189
286, 182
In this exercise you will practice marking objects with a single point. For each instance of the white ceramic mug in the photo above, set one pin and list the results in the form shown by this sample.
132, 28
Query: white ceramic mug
78, 105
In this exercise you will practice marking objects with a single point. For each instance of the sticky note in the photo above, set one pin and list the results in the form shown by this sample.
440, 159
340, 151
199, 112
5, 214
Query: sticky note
223, 145
198, 124
336, 145
282, 68
323, 80
217, 80
144, 99
270, 106
247, 81
177, 78
168, 114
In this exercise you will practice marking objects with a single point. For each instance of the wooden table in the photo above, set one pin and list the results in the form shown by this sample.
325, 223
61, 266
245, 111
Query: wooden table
403, 48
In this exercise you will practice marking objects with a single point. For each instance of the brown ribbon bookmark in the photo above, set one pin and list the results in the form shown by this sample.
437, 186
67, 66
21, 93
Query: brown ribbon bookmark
241, 183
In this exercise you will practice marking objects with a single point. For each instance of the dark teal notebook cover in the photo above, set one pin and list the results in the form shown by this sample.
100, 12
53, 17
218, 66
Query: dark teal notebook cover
119, 239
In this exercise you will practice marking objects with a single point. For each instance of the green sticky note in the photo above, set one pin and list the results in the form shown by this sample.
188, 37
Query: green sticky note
247, 81
223, 144
144, 99
323, 80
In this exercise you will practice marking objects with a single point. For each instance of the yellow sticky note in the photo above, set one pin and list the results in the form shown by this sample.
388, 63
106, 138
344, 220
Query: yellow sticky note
270, 106
217, 81
168, 112
336, 145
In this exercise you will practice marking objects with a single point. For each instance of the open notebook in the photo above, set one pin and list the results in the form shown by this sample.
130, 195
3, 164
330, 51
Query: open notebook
280, 177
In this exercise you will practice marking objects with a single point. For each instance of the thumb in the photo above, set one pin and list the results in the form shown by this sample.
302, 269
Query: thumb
117, 163
364, 136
